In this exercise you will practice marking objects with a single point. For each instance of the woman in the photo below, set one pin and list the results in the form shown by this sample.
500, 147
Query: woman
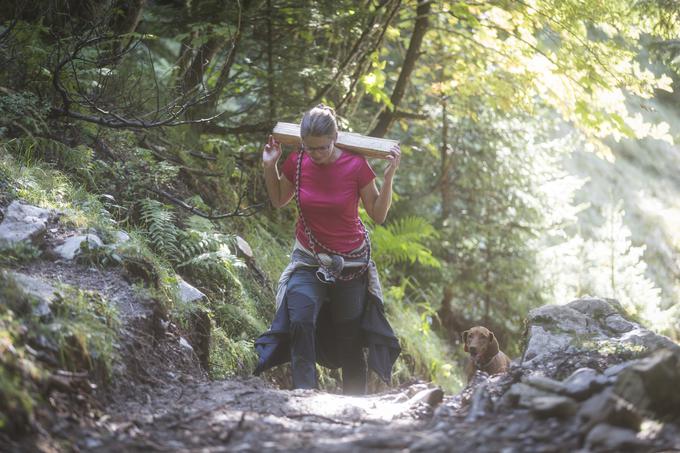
331, 259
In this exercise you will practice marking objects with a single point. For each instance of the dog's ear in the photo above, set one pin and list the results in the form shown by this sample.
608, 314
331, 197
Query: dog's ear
493, 345
465, 335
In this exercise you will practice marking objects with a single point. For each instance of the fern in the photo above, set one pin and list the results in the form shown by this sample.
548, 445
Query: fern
159, 223
403, 242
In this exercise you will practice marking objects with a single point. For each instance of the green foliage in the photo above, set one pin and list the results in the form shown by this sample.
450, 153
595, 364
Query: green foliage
402, 241
22, 112
472, 215
230, 357
79, 334
424, 354
18, 253
37, 182
607, 264
32, 149
237, 322
85, 330
159, 223
140, 263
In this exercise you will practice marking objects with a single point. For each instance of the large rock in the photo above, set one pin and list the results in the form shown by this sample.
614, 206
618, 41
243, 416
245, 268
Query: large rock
24, 222
596, 308
607, 407
543, 344
584, 382
559, 317
553, 406
244, 248
120, 237
44, 293
605, 437
588, 324
72, 246
651, 384
188, 293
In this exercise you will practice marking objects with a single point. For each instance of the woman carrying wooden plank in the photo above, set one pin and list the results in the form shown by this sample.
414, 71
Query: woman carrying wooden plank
329, 300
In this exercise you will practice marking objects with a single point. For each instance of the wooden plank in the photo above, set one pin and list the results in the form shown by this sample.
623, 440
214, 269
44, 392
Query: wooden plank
289, 134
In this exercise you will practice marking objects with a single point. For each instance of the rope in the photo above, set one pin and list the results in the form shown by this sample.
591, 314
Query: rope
314, 243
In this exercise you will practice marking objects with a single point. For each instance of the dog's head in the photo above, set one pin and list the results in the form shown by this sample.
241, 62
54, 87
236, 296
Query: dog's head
480, 343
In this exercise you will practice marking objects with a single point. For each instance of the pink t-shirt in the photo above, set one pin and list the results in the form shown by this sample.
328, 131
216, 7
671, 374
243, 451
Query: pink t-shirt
329, 198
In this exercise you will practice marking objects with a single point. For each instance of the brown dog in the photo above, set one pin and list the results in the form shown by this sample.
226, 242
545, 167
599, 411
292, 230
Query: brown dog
485, 354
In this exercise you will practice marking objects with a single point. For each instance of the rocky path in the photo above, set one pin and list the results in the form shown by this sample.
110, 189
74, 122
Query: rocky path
160, 398
247, 415
589, 380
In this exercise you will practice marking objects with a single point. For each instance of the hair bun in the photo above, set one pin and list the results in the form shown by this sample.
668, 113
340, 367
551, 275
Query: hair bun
323, 106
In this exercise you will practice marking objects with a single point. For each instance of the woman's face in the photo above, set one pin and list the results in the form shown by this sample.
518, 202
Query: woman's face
320, 149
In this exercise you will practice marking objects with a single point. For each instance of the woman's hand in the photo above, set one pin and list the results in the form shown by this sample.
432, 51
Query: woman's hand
393, 158
271, 152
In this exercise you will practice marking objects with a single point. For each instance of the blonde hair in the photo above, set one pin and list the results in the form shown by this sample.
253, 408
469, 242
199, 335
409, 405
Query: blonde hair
319, 121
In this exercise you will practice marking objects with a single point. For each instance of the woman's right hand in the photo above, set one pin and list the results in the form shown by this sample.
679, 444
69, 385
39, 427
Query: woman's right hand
271, 152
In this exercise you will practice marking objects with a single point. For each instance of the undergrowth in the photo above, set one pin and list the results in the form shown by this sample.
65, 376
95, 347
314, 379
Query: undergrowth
424, 354
166, 244
77, 333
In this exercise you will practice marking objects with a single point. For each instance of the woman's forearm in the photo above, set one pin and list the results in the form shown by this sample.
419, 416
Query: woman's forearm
272, 181
383, 202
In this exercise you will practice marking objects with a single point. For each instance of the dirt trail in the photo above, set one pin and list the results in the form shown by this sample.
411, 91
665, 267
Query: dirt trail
246, 415
161, 400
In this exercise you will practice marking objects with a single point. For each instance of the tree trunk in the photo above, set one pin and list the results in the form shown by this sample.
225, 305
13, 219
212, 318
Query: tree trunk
270, 64
126, 21
196, 70
419, 29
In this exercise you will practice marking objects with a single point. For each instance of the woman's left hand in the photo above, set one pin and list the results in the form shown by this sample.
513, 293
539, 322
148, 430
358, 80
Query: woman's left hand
393, 159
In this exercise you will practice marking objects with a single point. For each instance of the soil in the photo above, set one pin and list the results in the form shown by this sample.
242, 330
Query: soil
160, 399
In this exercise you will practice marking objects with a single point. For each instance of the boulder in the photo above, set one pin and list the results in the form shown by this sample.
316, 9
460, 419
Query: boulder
43, 292
523, 395
596, 308
544, 383
645, 341
618, 324
583, 383
244, 249
24, 222
605, 437
650, 384
72, 246
607, 407
588, 324
543, 344
560, 318
188, 293
553, 406
120, 237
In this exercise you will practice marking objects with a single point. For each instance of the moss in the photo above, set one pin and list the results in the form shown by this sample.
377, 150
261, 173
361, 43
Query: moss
18, 254
424, 354
80, 335
230, 357
84, 328
237, 322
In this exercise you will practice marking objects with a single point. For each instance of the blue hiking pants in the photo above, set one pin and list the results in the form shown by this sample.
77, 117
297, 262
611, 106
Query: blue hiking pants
305, 295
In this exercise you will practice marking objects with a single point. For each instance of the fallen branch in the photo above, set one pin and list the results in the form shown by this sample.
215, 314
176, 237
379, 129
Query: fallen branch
328, 419
237, 212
